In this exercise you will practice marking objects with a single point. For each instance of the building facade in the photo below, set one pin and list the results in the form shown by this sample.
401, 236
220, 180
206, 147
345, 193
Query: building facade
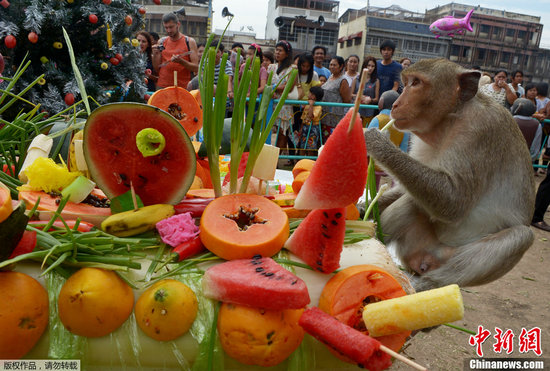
500, 39
194, 23
303, 23
362, 31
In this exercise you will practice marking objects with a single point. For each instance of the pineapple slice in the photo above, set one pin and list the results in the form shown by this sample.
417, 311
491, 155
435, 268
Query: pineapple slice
414, 312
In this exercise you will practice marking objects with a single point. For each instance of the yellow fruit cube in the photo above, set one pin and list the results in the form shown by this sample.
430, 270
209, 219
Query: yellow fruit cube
414, 312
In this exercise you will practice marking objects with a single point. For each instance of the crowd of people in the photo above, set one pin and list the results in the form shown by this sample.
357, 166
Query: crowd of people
304, 128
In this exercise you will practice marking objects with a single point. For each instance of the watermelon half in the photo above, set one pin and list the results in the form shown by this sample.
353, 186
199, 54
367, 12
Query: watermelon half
319, 239
339, 175
258, 282
115, 162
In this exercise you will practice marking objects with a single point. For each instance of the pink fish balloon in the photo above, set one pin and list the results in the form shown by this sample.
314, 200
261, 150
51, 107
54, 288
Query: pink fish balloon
450, 26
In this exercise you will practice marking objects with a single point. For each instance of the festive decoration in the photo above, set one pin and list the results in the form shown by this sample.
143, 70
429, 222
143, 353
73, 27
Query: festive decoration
109, 35
42, 81
135, 42
158, 2
126, 40
10, 41
449, 25
69, 99
114, 61
142, 10
119, 57
34, 27
128, 20
33, 37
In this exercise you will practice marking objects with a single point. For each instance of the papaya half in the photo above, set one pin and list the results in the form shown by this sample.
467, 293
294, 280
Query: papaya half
240, 226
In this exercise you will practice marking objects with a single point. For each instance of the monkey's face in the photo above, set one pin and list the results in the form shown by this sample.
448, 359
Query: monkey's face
413, 104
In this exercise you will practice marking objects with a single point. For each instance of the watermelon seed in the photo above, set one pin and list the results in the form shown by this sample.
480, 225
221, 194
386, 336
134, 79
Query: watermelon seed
257, 256
338, 215
294, 282
259, 269
196, 119
269, 274
325, 235
325, 214
324, 226
334, 222
123, 176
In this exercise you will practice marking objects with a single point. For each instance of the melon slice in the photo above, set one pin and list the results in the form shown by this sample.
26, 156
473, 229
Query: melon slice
49, 203
181, 104
339, 175
319, 239
115, 161
358, 347
258, 282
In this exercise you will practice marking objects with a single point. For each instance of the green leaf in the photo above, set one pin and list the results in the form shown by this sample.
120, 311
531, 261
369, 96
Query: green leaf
124, 202
77, 74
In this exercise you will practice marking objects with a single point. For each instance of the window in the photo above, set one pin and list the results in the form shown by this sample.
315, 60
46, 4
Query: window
505, 57
455, 50
510, 32
497, 31
349, 42
480, 54
357, 41
485, 28
521, 35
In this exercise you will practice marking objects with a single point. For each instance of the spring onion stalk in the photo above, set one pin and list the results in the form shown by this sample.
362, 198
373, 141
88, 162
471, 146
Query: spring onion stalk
76, 72
259, 133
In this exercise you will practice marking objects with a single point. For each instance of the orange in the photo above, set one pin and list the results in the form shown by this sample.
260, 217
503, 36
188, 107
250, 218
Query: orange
302, 165
166, 310
23, 313
94, 302
299, 181
255, 336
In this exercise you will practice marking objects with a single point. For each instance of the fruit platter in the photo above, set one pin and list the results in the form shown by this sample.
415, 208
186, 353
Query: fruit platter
124, 248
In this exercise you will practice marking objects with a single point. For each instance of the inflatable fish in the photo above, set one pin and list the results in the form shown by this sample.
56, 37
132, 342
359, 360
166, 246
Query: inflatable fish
449, 25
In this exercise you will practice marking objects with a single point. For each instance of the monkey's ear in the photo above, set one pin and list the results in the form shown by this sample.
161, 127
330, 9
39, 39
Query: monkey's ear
468, 84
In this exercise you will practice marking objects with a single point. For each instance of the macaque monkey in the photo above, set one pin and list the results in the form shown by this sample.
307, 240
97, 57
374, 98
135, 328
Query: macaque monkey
465, 195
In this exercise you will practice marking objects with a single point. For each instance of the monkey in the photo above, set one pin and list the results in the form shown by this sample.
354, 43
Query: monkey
464, 199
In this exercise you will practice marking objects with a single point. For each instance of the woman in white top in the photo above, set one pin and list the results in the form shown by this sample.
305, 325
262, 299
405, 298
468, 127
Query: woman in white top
352, 68
499, 90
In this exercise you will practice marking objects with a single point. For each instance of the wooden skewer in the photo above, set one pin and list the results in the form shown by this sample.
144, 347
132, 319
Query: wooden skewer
175, 78
134, 200
402, 358
358, 99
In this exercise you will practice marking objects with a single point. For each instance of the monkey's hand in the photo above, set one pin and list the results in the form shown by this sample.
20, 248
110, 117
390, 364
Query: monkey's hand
378, 144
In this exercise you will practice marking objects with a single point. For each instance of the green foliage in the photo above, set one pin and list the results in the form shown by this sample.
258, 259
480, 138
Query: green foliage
47, 18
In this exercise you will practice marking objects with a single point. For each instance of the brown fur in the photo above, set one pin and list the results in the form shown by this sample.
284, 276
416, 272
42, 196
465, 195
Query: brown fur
465, 198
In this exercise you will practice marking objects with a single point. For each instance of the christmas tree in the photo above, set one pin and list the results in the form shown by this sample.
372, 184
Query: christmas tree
102, 35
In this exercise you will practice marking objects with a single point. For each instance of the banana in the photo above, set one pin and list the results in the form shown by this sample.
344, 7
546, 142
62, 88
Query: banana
76, 155
130, 223
40, 146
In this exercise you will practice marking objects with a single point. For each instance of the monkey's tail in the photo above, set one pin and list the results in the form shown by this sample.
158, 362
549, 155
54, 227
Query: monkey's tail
482, 261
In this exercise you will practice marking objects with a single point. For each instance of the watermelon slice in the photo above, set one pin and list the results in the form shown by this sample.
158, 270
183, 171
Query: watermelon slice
358, 347
258, 282
339, 175
319, 239
115, 162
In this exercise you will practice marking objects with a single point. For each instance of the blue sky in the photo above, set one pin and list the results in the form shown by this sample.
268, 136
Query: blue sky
253, 12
